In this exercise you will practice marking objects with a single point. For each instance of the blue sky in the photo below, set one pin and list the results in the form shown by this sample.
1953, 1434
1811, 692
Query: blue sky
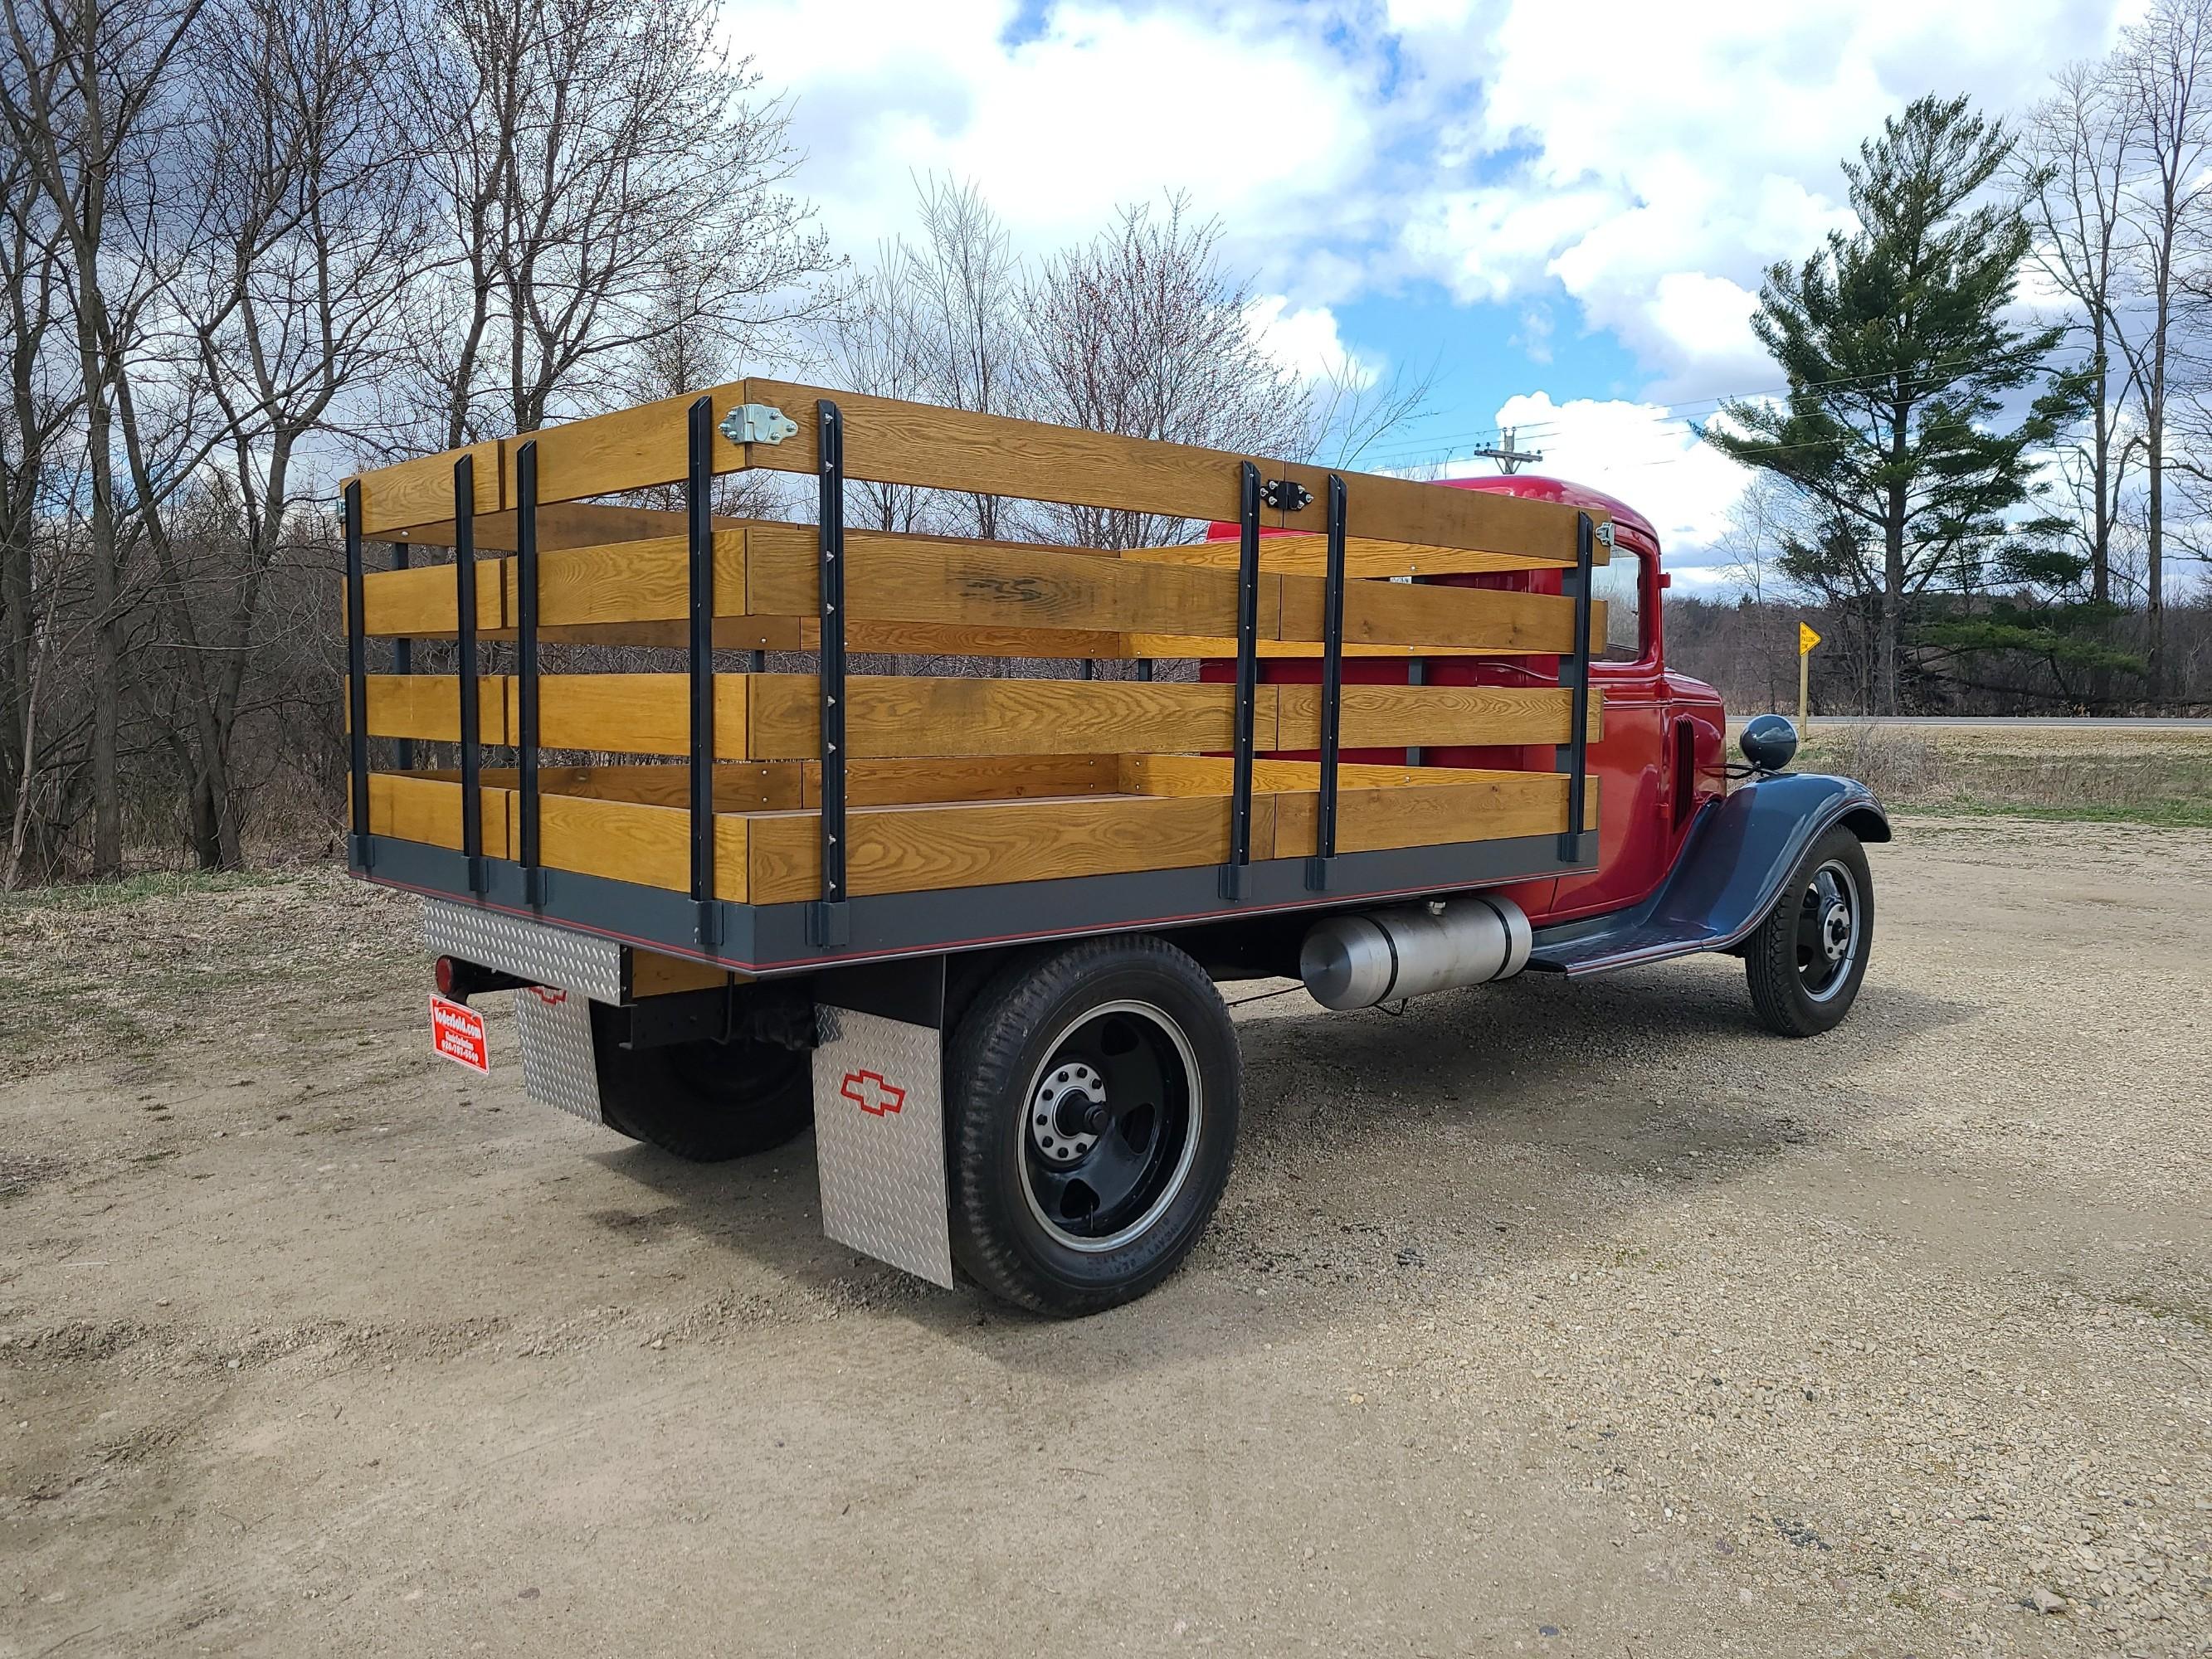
1565, 207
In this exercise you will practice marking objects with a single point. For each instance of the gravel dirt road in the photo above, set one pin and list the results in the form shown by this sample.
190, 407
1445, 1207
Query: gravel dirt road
1545, 1318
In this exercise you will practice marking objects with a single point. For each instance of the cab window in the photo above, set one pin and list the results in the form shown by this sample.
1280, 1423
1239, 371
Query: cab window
1620, 584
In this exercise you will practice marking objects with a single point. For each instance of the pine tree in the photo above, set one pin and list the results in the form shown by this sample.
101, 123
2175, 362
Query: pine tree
1902, 372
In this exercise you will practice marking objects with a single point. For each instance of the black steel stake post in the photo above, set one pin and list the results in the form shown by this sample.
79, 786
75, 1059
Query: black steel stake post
1575, 671
403, 662
1247, 675
526, 669
1332, 690
832, 922
358, 848
699, 525
464, 639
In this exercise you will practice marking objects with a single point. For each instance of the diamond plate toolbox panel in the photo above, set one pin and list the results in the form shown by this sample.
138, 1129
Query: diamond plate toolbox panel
879, 1138
528, 949
553, 1030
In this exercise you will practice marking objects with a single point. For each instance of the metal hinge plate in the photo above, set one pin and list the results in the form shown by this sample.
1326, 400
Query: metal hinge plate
1605, 534
1285, 496
757, 423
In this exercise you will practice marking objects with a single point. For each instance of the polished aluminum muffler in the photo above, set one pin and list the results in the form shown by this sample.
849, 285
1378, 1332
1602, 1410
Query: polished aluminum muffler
1381, 956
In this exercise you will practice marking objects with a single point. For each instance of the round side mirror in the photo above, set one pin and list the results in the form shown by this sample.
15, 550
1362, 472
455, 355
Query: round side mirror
1769, 741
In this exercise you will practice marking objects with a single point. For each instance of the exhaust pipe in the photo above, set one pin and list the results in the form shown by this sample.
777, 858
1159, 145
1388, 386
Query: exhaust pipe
1357, 961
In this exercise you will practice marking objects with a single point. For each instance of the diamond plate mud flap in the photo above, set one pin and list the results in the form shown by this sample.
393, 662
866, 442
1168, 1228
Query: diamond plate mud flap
554, 1029
879, 1138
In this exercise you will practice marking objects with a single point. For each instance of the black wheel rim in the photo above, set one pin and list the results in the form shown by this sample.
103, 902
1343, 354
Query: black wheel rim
1830, 924
1110, 1126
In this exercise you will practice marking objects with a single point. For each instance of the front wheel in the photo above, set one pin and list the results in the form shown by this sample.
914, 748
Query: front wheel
1092, 1098
1805, 962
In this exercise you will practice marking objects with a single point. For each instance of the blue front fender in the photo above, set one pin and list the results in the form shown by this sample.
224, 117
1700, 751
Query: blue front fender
1733, 862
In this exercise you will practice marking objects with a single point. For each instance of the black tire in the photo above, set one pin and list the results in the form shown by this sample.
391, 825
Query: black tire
705, 1102
1799, 986
1131, 1018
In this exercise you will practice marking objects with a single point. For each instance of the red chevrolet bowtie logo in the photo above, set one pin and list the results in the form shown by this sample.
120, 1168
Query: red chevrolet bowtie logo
872, 1094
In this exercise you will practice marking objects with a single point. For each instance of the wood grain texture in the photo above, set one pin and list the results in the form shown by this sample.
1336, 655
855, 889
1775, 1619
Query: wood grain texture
897, 715
1502, 806
420, 602
626, 448
897, 443
739, 785
1485, 622
783, 786
899, 588
408, 808
1212, 774
1185, 648
633, 714
428, 707
1387, 716
918, 444
624, 841
645, 581
1302, 555
561, 523
904, 849
414, 492
990, 777
968, 584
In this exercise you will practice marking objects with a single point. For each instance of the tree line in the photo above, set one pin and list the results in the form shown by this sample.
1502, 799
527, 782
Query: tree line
247, 244
1991, 470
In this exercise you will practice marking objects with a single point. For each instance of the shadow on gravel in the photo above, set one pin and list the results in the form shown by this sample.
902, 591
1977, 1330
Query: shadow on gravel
1477, 1131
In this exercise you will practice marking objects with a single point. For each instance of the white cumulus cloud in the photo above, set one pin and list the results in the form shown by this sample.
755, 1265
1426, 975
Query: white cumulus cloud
1639, 451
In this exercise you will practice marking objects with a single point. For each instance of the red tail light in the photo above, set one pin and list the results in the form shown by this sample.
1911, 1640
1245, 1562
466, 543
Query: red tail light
446, 976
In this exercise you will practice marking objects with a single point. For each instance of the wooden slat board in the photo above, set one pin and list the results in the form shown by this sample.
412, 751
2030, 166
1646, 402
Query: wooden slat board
772, 717
428, 707
638, 591
784, 785
773, 857
1431, 716
1364, 556
409, 808
896, 442
419, 491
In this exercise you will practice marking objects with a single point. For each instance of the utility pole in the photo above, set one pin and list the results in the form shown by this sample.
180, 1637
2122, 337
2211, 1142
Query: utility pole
1508, 458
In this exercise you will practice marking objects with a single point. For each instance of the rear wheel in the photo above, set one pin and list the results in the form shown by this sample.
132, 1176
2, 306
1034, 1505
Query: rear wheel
706, 1101
1806, 959
1093, 1097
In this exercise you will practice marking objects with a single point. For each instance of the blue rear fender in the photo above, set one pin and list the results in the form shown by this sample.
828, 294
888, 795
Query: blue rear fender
1734, 863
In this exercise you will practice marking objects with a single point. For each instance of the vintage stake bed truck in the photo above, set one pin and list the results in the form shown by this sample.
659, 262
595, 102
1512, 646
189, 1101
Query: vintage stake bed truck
968, 927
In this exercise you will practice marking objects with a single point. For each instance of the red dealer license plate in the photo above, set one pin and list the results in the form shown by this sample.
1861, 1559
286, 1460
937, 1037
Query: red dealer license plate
457, 1031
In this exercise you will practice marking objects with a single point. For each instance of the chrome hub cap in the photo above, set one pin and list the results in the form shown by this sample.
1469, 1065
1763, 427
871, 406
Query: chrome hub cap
1067, 1113
1828, 930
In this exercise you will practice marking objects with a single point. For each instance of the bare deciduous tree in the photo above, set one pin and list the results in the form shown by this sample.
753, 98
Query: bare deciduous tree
606, 183
2164, 64
1142, 331
84, 110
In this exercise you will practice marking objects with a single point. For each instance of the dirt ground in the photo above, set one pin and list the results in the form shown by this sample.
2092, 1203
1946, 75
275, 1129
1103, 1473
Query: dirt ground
1545, 1319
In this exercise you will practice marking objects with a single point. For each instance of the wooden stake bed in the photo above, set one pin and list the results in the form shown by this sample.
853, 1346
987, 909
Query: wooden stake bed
815, 815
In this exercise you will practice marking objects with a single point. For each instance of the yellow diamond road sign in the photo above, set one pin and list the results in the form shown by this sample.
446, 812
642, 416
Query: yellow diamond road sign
1807, 639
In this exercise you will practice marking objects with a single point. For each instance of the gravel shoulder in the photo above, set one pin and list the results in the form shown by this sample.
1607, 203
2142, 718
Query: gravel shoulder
1574, 1320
